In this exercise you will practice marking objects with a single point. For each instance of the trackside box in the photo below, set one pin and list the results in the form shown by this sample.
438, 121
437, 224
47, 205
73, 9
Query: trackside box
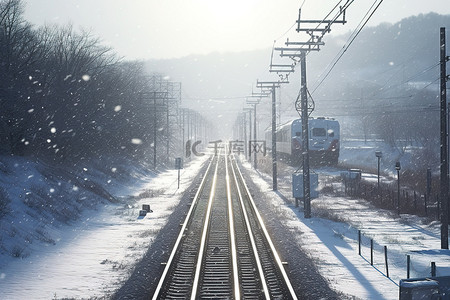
425, 288
297, 185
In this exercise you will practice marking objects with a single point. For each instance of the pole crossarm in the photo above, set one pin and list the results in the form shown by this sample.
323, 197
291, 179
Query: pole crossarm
326, 23
258, 95
250, 100
255, 98
269, 84
315, 40
296, 52
309, 43
282, 68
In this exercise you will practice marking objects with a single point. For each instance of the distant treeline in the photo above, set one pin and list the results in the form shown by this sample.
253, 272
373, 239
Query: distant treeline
63, 95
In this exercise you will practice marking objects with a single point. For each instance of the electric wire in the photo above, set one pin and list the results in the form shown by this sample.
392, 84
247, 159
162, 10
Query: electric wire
286, 32
290, 28
345, 47
342, 9
337, 15
416, 75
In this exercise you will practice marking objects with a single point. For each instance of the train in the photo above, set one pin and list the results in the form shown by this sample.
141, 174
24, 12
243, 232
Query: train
324, 141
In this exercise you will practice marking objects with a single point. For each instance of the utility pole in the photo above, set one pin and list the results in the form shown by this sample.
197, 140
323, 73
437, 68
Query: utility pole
245, 133
316, 31
305, 136
167, 129
255, 157
188, 136
272, 85
249, 110
444, 146
303, 108
154, 130
254, 99
274, 141
183, 132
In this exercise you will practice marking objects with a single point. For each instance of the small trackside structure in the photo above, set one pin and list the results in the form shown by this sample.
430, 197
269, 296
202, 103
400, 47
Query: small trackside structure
425, 288
145, 209
297, 186
351, 179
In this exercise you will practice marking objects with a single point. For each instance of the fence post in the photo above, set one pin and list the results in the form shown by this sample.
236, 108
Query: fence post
408, 265
426, 207
359, 242
386, 261
371, 252
433, 269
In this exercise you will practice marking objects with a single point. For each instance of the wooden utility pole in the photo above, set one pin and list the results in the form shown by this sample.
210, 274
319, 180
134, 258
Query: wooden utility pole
444, 146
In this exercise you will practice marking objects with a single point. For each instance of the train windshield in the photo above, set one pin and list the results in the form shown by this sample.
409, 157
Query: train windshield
319, 132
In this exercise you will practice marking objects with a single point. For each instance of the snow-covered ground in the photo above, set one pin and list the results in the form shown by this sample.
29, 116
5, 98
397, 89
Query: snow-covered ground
332, 242
93, 256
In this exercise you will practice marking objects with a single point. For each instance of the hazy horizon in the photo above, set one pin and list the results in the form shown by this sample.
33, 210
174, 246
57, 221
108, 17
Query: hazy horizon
163, 30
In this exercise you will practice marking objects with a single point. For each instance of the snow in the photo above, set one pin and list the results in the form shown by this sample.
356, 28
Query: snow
91, 257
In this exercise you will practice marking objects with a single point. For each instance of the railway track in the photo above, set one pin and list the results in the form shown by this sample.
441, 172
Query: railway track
223, 250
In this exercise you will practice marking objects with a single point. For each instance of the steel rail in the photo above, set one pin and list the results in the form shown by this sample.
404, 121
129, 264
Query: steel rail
269, 240
251, 237
204, 236
236, 281
180, 236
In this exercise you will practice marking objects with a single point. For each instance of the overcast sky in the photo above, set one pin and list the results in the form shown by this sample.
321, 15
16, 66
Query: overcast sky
144, 29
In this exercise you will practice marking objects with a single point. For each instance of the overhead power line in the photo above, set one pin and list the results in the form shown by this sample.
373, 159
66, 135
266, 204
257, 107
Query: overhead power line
352, 37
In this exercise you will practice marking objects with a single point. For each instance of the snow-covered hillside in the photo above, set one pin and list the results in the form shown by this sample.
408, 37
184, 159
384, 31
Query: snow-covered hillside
88, 256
